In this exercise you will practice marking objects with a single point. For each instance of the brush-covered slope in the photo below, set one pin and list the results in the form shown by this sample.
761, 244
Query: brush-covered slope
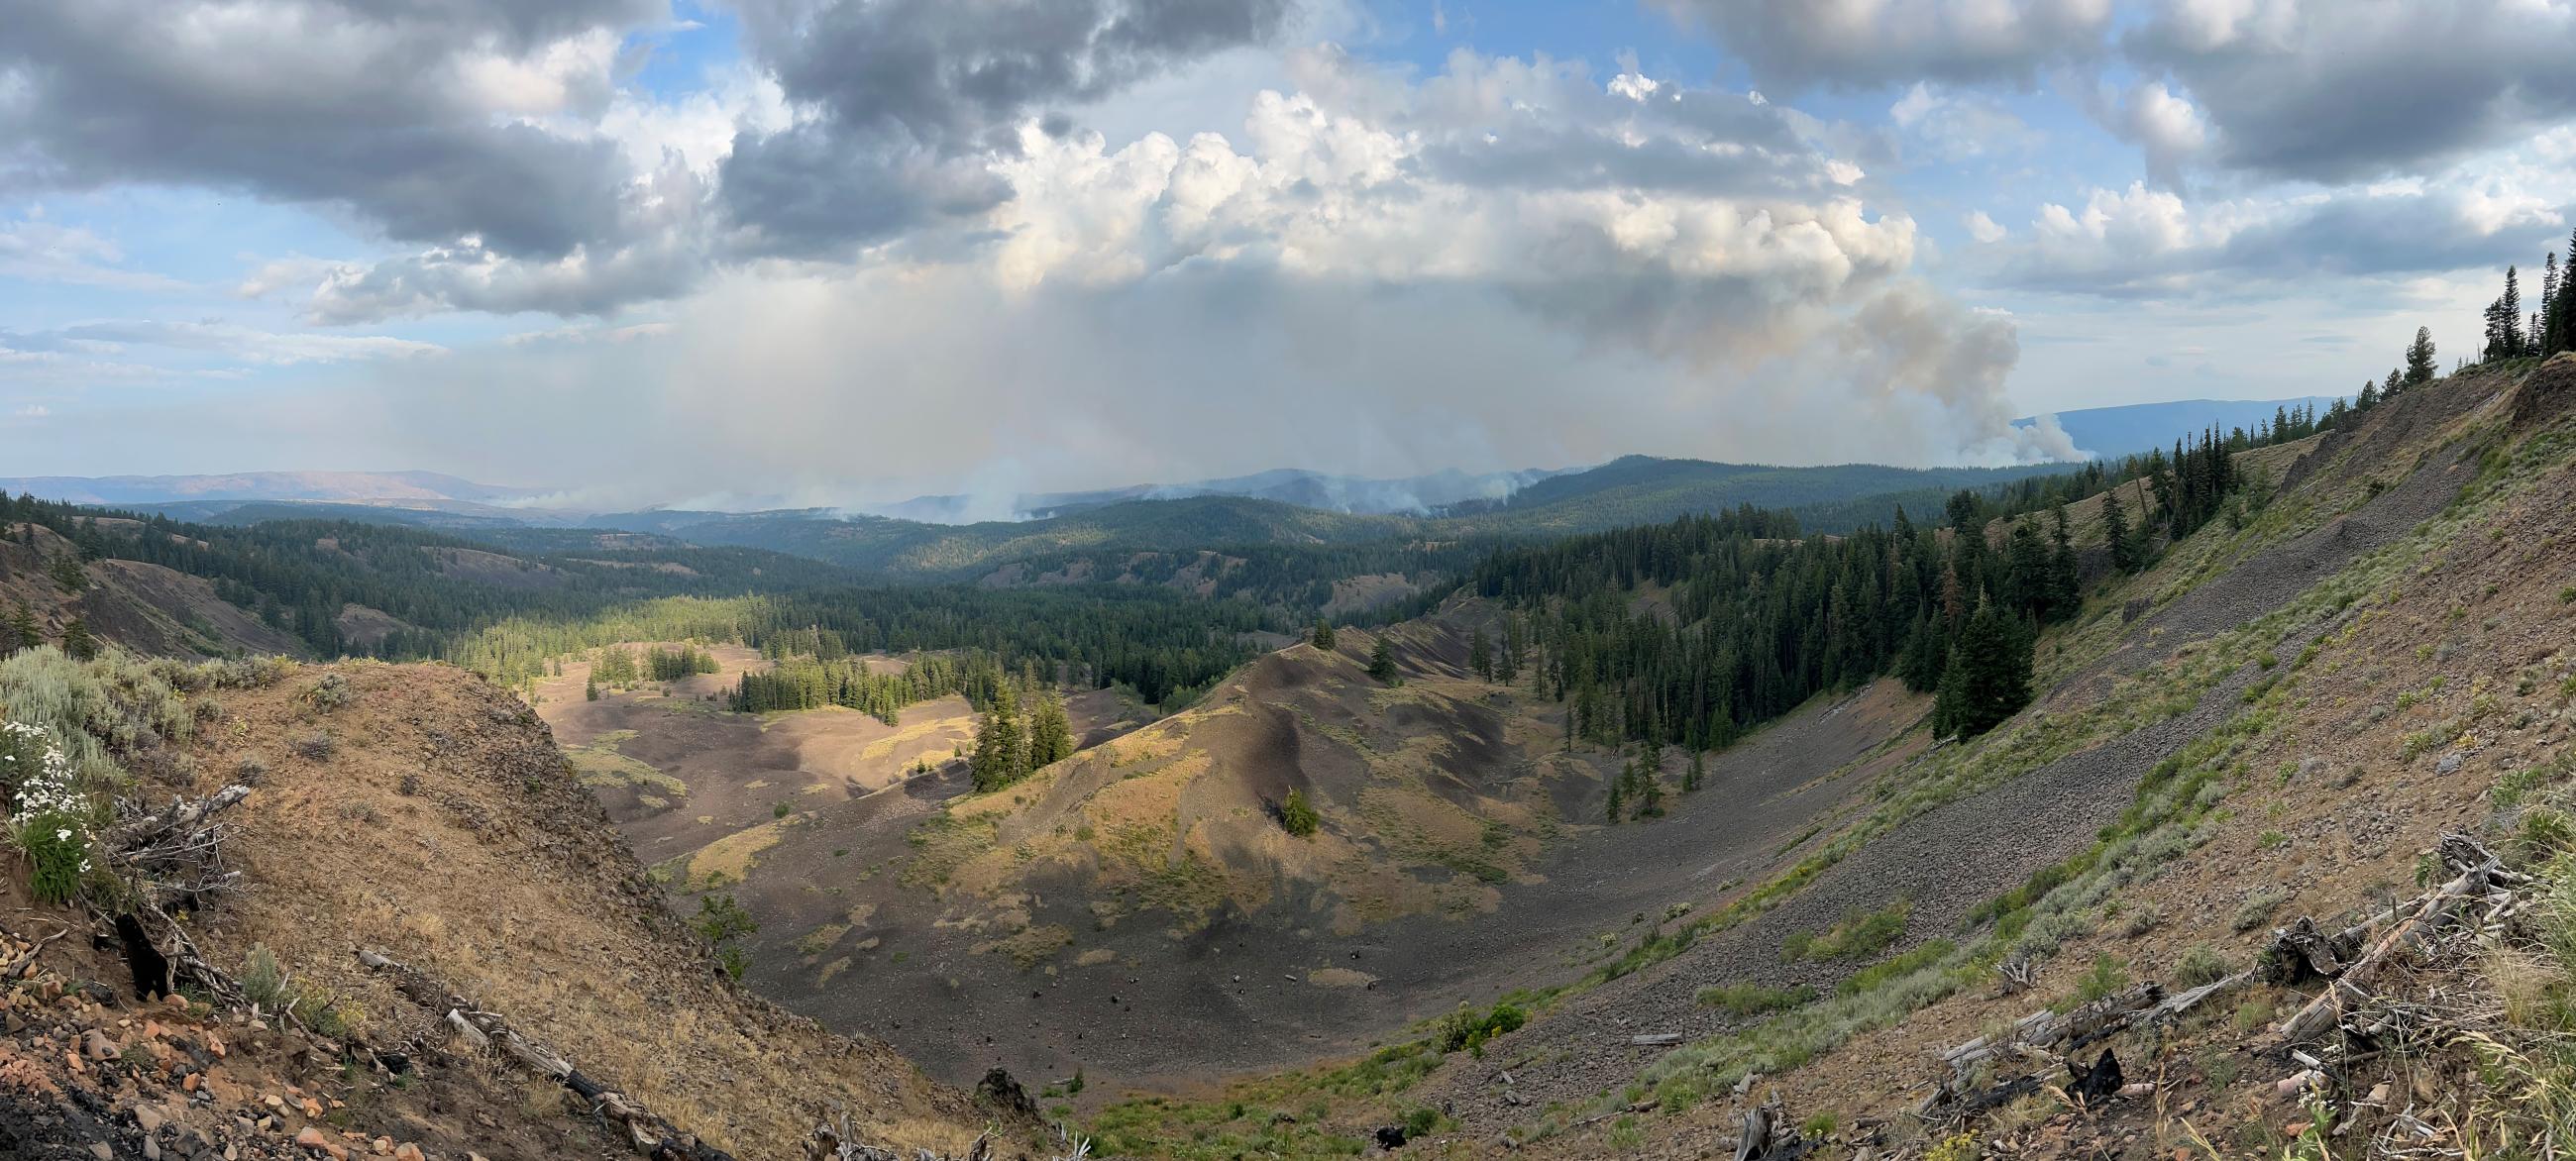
1141, 913
421, 813
149, 608
2284, 716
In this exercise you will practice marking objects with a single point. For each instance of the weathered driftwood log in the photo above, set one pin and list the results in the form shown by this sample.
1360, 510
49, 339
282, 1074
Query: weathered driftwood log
649, 1134
2353, 985
1655, 1039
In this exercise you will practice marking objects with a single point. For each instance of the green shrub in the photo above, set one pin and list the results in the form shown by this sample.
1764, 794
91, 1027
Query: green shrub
330, 693
1297, 816
2102, 981
2201, 964
1860, 935
2258, 907
262, 981
1469, 1029
51, 820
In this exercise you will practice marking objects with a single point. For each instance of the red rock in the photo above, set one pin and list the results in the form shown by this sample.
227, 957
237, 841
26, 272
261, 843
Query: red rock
314, 1139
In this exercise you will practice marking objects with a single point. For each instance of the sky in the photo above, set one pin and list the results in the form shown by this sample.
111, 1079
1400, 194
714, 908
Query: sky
846, 251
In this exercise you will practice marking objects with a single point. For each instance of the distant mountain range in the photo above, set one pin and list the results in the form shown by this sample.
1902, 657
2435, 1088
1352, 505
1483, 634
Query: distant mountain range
2138, 427
1076, 534
1357, 495
400, 488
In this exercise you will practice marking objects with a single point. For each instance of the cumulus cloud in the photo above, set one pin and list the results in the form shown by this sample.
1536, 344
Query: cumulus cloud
2341, 90
414, 116
1791, 44
1345, 284
901, 101
2143, 240
2167, 129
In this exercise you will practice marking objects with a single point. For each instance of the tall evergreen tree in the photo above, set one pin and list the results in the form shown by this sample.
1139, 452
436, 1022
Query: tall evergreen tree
1322, 637
1480, 655
1988, 679
20, 632
2115, 533
1050, 730
2420, 367
1382, 659
2065, 577
1001, 750
77, 641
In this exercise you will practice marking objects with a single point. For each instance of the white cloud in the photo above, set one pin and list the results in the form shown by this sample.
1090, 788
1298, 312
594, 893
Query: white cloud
37, 249
231, 340
1983, 228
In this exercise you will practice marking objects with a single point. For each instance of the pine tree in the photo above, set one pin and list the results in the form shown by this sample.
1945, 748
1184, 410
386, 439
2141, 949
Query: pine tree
1382, 660
2420, 367
1691, 776
66, 571
1050, 731
1480, 656
590, 688
2065, 578
2115, 532
1322, 637
1001, 752
2563, 306
2544, 327
1988, 679
77, 641
20, 632
1610, 810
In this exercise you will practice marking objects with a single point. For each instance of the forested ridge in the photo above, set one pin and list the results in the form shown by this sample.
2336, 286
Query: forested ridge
1749, 617
1759, 610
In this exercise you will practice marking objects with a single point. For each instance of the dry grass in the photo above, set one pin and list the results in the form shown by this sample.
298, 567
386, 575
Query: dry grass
499, 876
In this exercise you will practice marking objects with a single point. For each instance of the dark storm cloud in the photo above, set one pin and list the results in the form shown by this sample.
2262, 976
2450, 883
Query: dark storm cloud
2353, 89
901, 91
363, 106
1794, 44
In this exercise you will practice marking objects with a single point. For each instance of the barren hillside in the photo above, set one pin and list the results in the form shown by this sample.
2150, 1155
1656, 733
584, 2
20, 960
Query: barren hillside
2280, 719
421, 814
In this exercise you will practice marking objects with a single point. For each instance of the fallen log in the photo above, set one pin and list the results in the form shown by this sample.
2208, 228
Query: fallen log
2047, 1030
2181, 1002
1655, 1039
2353, 985
650, 1135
